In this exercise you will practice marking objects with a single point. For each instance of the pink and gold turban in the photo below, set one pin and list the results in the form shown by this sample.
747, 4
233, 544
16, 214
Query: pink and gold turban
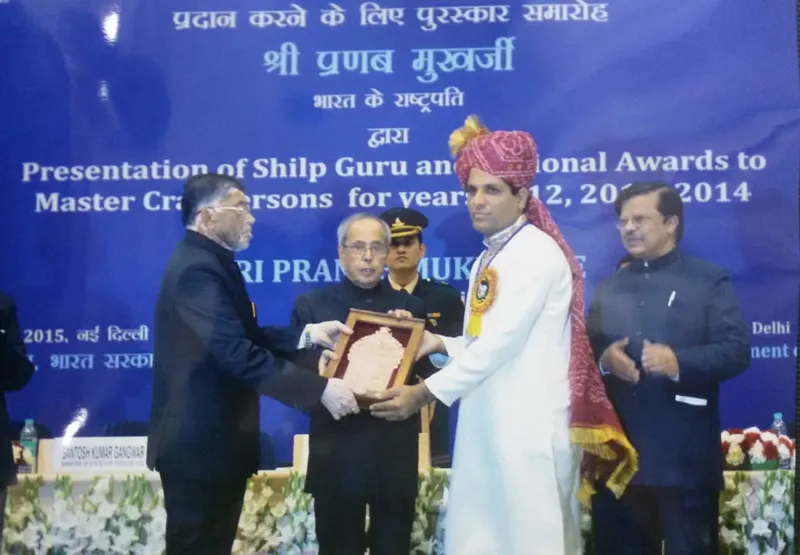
608, 456
508, 155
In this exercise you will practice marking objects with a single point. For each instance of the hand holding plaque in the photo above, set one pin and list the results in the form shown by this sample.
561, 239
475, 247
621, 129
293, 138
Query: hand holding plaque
378, 355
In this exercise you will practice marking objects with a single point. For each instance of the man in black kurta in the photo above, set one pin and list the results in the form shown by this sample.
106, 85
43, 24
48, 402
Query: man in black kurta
444, 309
361, 460
667, 331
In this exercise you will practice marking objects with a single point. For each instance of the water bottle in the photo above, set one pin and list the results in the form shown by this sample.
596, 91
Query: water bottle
779, 425
29, 441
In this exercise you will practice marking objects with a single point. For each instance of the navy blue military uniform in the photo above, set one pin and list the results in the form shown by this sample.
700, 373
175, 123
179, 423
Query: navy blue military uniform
444, 315
360, 460
689, 305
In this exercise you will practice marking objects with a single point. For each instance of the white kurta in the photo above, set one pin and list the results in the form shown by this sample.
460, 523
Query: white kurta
515, 473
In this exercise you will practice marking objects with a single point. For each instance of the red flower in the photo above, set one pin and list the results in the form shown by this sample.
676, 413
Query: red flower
749, 439
786, 442
770, 451
725, 447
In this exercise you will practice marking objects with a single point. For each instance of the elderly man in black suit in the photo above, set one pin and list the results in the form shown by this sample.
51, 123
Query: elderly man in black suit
361, 461
211, 363
15, 372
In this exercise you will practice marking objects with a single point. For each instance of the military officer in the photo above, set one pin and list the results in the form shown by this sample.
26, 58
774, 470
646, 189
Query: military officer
443, 305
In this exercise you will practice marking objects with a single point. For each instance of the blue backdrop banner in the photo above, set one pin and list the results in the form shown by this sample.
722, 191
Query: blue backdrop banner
326, 108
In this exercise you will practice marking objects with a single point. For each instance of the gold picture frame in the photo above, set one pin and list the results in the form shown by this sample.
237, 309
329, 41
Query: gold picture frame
370, 325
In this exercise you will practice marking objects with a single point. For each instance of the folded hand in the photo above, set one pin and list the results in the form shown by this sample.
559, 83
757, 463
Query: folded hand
617, 361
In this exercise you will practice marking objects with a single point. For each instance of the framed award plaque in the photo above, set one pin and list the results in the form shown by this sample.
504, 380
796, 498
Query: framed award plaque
378, 355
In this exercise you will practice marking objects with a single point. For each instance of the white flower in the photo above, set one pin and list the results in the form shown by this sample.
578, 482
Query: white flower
126, 537
769, 437
729, 536
249, 523
30, 536
132, 513
734, 502
106, 510
778, 490
770, 514
278, 510
783, 452
761, 528
725, 436
757, 453
752, 430
736, 439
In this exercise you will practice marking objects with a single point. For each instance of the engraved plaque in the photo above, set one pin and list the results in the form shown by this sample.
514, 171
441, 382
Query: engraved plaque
378, 355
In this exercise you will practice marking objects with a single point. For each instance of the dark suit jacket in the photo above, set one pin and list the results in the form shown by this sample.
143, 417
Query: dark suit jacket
211, 362
678, 442
15, 372
359, 455
444, 311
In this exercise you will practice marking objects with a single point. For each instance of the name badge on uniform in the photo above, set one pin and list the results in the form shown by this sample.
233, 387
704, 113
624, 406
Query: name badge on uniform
433, 318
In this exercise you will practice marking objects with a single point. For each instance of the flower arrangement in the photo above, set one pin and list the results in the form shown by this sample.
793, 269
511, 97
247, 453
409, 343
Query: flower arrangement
92, 523
429, 511
757, 513
126, 516
276, 522
753, 449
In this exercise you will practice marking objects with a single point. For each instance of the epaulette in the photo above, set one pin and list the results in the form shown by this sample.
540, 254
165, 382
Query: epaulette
437, 282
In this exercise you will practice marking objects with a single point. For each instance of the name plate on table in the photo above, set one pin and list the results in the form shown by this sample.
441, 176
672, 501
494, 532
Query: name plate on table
111, 454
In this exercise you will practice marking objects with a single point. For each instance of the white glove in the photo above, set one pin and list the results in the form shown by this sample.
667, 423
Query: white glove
326, 334
338, 398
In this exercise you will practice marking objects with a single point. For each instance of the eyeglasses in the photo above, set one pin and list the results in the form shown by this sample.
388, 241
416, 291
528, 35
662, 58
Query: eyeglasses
361, 248
241, 208
637, 221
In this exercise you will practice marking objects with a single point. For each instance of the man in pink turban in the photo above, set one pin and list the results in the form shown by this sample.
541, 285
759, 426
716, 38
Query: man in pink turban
535, 428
